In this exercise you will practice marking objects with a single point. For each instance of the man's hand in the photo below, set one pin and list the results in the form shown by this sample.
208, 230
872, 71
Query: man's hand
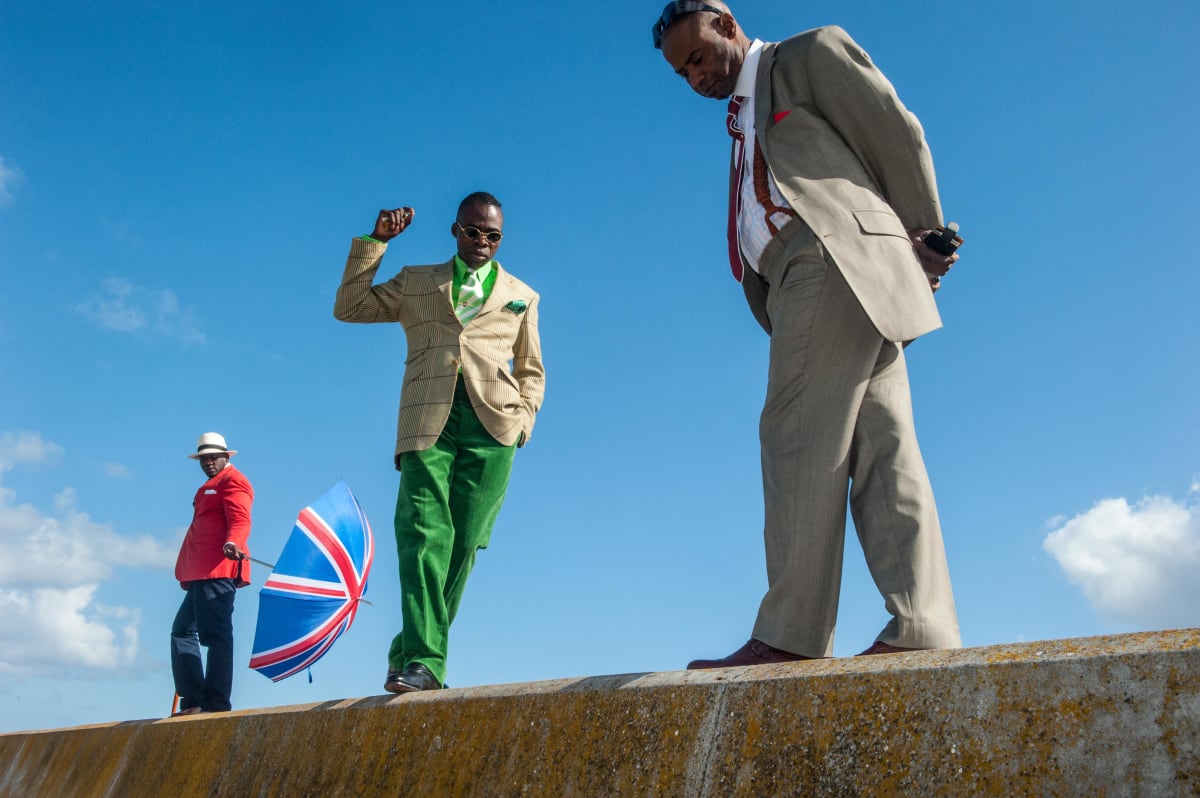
392, 223
230, 550
934, 263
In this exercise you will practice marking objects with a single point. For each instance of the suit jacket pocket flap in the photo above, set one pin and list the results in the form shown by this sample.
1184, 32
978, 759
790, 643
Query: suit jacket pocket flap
880, 223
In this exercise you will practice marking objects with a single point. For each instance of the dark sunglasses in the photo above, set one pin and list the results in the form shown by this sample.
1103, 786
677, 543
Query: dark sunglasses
474, 232
674, 11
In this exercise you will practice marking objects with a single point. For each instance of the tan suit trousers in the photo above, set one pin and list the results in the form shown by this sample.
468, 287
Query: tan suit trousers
838, 414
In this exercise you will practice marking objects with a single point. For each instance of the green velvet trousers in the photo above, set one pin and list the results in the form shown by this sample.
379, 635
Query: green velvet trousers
450, 496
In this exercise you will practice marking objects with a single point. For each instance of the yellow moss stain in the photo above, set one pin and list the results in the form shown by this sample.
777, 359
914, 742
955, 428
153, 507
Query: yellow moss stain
1067, 717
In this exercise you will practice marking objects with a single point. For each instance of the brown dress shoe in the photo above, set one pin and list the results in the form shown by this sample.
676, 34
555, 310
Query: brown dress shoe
755, 652
880, 647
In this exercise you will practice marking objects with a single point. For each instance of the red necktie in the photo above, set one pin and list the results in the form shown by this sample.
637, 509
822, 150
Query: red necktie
731, 233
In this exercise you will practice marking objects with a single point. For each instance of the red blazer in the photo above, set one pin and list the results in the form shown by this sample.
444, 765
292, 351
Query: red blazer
222, 515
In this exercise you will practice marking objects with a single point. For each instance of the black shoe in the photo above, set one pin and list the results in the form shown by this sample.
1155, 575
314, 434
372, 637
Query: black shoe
413, 678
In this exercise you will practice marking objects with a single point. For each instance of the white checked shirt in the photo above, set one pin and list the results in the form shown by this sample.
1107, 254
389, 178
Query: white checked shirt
753, 233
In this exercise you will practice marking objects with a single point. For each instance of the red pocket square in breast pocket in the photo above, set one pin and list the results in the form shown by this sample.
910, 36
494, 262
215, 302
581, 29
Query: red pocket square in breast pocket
779, 115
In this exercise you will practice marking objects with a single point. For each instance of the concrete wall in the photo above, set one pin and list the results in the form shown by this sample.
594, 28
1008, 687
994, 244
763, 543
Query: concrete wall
1109, 716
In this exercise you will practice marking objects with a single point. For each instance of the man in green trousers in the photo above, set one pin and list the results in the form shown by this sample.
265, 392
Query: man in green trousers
464, 410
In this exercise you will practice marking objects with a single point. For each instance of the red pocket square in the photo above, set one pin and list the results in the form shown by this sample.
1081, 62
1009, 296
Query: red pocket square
779, 115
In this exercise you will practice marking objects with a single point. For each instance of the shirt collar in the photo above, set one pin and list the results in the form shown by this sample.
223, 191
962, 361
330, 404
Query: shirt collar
461, 268
749, 74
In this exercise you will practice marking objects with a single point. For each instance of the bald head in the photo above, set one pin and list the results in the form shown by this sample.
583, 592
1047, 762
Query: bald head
717, 4
677, 9
705, 46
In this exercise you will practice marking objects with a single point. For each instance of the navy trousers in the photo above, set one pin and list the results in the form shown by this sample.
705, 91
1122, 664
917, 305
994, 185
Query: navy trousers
205, 618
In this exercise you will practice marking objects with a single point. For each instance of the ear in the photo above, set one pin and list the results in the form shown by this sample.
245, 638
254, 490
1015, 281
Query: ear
454, 229
726, 25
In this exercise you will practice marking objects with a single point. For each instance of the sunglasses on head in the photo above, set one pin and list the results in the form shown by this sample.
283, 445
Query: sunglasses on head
674, 11
474, 233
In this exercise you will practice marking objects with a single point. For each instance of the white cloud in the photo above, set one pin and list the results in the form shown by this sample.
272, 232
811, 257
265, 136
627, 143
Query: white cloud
116, 470
52, 630
115, 309
124, 307
10, 178
1135, 563
52, 563
23, 446
68, 548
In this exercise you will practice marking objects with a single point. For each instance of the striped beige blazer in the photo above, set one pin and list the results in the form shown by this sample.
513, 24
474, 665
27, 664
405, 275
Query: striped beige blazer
499, 351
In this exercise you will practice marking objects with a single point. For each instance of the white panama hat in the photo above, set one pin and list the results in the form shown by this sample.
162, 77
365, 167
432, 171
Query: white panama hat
212, 443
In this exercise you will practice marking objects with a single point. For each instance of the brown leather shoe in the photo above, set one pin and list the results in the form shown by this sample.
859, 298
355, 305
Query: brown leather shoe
755, 652
880, 647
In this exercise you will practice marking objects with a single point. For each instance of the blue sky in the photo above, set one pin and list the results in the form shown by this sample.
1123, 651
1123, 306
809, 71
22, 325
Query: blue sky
179, 184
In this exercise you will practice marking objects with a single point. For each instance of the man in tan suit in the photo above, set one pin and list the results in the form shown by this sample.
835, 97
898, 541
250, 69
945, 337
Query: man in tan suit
464, 410
832, 192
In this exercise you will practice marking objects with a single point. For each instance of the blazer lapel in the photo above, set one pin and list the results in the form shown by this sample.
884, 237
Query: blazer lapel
762, 92
443, 278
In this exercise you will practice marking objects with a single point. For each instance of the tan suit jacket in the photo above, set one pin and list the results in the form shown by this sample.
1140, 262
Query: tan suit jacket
506, 398
853, 163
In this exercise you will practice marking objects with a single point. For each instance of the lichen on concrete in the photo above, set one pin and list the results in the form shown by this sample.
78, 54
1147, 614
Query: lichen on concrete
1115, 716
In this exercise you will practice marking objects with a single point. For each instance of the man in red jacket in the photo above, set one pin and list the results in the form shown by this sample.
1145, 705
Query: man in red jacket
212, 564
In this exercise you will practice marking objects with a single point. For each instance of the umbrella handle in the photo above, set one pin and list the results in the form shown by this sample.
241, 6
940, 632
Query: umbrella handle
241, 555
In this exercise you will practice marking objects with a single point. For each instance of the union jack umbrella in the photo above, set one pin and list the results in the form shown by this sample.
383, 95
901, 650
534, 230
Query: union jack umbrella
313, 594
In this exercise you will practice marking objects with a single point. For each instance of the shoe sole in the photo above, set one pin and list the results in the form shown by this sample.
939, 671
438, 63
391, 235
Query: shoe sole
399, 688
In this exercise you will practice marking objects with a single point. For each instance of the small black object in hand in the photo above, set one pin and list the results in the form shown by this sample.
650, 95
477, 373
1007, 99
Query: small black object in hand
944, 240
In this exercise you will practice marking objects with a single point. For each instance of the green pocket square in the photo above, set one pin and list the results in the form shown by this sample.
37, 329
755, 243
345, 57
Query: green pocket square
517, 306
